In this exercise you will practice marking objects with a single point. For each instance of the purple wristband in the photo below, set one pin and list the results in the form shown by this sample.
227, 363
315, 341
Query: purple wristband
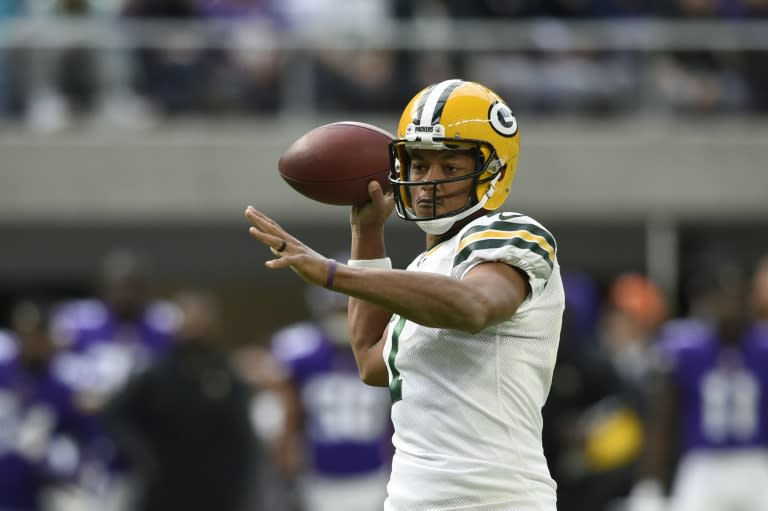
331, 273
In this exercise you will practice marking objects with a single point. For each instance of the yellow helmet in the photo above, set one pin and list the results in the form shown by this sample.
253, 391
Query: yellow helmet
450, 115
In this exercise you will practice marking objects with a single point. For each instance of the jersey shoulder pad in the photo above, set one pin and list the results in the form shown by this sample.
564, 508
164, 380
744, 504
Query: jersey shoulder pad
513, 238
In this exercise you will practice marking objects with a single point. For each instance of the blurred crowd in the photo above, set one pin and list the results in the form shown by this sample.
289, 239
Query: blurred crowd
49, 80
129, 401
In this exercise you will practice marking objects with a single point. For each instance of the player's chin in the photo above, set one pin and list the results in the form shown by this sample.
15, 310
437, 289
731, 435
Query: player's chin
427, 209
425, 213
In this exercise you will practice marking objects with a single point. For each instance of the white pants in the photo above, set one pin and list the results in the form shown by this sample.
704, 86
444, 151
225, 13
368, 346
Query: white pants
722, 481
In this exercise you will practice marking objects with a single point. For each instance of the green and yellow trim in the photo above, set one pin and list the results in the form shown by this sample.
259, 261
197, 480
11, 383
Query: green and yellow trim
500, 234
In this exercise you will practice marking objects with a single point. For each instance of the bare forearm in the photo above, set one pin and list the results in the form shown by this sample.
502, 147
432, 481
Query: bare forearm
368, 243
368, 321
425, 298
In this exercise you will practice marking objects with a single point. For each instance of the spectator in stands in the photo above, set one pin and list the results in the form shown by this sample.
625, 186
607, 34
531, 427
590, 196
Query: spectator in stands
348, 79
756, 61
246, 69
337, 430
80, 77
699, 81
551, 75
175, 75
9, 9
185, 422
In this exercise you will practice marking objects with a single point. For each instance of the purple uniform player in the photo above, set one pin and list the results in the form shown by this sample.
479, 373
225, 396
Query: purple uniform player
714, 405
105, 349
119, 333
108, 340
723, 389
344, 424
41, 428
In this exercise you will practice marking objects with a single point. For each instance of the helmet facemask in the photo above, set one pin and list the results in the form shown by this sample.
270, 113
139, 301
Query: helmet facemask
487, 171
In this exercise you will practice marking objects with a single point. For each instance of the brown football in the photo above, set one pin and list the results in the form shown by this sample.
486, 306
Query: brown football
335, 162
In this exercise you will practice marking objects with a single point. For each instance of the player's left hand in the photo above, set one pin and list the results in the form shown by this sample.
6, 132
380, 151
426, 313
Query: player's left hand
289, 251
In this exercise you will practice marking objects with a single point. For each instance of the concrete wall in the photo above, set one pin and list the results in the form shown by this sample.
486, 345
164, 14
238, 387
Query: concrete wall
208, 172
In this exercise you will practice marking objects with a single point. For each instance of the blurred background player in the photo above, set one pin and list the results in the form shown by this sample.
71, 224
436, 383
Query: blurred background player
337, 431
185, 422
593, 418
108, 339
759, 293
123, 330
42, 429
713, 407
634, 312
271, 396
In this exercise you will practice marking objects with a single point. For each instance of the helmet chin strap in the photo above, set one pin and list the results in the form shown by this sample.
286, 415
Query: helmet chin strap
440, 226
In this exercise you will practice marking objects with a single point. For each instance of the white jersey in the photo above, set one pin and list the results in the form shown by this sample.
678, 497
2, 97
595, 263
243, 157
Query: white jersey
467, 407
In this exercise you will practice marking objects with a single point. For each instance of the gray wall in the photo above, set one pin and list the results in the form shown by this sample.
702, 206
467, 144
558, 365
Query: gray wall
575, 169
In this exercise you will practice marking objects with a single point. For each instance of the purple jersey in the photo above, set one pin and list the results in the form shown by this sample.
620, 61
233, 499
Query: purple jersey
41, 429
103, 352
347, 422
723, 389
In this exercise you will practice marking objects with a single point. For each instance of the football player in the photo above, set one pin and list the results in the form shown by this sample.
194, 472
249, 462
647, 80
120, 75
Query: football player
42, 430
109, 339
184, 421
339, 429
119, 333
466, 337
714, 404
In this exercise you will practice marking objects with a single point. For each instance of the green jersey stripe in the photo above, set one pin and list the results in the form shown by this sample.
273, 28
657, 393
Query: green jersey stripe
396, 384
491, 243
511, 226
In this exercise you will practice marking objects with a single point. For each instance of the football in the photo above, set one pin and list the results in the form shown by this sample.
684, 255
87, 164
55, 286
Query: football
334, 163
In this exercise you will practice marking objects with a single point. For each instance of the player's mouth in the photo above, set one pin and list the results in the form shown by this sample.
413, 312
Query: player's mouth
428, 203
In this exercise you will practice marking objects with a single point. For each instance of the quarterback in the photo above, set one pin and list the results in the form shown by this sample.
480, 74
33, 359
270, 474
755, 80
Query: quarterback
466, 337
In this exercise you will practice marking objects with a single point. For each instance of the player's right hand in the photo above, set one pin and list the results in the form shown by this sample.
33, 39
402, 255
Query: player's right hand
374, 213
